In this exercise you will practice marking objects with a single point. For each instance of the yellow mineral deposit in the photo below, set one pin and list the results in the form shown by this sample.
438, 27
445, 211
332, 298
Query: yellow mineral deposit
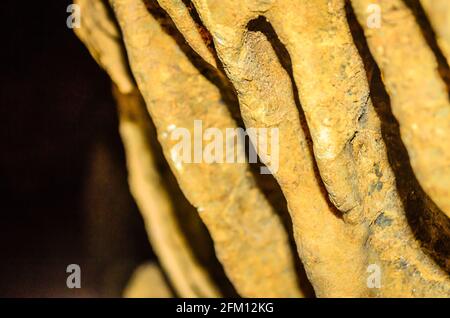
438, 12
365, 224
183, 269
418, 94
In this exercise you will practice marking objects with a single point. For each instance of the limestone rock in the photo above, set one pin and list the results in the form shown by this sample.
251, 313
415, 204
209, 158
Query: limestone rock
368, 196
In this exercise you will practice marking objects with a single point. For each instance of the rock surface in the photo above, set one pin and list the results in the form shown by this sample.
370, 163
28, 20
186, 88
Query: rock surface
365, 194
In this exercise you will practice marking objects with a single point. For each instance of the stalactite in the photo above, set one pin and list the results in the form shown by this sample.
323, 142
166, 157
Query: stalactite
361, 196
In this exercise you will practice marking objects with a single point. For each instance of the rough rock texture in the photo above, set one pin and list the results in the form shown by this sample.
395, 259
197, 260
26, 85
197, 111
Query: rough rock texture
249, 238
347, 144
101, 36
186, 273
306, 68
418, 94
189, 277
178, 13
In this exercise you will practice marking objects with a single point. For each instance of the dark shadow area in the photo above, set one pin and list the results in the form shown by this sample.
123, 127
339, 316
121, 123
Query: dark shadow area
204, 33
64, 191
262, 25
430, 226
187, 217
217, 78
183, 206
266, 183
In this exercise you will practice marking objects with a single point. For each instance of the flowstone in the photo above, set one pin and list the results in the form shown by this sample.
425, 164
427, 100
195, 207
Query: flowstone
363, 148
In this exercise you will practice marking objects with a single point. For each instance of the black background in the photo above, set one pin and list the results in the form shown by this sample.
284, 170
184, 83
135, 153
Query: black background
64, 196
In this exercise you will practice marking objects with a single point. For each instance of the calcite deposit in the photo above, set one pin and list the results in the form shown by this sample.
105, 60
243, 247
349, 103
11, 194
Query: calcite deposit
185, 271
362, 120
